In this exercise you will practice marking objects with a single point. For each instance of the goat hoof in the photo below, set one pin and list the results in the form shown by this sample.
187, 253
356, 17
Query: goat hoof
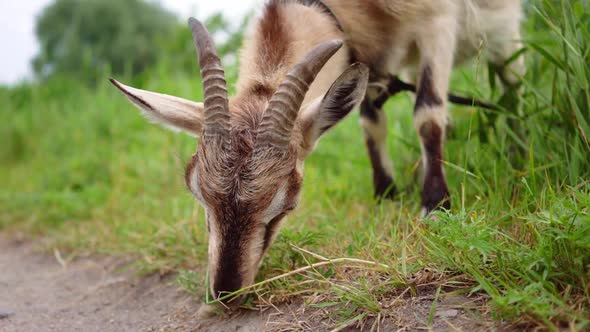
388, 192
442, 206
437, 199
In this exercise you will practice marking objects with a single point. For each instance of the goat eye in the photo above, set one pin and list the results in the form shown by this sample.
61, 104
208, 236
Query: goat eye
274, 221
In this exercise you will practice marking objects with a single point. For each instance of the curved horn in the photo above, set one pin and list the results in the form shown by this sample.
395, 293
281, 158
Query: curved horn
279, 118
217, 116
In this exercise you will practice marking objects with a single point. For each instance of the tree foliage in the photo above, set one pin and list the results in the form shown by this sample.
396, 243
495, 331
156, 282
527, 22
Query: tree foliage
180, 50
86, 37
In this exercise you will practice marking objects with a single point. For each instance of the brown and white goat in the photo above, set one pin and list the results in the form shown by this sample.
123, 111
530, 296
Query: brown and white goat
297, 80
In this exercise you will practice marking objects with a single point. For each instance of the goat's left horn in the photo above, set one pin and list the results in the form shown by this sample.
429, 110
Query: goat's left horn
283, 108
217, 116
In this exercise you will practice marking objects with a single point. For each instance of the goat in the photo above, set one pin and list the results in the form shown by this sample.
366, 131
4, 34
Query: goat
302, 71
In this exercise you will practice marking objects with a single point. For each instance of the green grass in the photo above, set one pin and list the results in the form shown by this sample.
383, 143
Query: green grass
81, 167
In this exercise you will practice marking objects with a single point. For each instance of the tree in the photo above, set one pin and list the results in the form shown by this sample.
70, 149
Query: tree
86, 37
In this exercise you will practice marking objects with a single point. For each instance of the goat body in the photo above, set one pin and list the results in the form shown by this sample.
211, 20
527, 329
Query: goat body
421, 38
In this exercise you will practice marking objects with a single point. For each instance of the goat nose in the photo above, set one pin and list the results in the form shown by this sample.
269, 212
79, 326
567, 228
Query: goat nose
226, 281
228, 300
224, 292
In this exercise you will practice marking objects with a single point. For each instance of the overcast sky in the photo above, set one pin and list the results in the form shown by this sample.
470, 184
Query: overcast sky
17, 22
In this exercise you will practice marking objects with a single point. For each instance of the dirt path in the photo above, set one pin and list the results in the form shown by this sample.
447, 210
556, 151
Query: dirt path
39, 294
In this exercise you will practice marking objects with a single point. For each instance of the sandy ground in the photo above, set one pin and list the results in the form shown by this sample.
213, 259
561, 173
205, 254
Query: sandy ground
38, 293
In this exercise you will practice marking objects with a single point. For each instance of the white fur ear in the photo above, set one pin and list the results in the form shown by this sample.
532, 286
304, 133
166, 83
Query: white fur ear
346, 93
171, 112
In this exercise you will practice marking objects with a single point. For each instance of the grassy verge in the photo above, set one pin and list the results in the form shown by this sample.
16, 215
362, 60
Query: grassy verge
81, 167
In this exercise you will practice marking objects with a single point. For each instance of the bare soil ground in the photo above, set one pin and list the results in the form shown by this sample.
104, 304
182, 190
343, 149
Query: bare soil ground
40, 292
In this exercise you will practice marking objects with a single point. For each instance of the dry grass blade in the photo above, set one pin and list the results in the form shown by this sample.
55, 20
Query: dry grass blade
299, 271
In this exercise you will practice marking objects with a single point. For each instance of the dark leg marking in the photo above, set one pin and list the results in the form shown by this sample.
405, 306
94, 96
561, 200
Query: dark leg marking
368, 110
383, 182
394, 86
436, 192
427, 97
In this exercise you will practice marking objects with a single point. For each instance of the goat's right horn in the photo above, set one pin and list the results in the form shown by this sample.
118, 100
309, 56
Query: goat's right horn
280, 116
216, 114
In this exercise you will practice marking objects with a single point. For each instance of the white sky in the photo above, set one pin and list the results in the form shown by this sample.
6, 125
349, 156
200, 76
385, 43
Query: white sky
17, 24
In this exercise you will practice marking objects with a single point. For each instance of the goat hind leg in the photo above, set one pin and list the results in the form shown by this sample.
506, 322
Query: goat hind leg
510, 70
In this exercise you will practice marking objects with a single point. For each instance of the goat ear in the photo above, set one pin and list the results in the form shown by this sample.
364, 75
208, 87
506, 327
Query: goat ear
346, 93
171, 112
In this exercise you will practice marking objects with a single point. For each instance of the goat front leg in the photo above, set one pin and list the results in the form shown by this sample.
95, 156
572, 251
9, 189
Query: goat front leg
437, 46
374, 123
